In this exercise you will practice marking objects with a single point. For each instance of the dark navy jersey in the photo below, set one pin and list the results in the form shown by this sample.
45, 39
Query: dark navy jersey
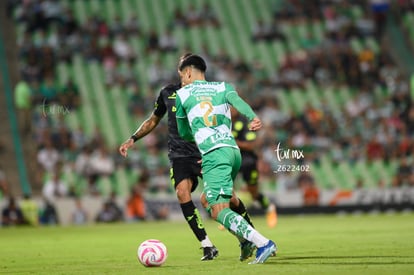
177, 147
241, 132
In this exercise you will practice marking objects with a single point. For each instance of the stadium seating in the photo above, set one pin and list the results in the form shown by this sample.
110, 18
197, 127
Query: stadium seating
106, 108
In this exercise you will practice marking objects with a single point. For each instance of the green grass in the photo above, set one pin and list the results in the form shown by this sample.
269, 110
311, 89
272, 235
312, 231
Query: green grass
364, 244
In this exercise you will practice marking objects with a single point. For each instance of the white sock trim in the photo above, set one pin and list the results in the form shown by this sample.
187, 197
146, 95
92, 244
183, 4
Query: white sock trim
206, 242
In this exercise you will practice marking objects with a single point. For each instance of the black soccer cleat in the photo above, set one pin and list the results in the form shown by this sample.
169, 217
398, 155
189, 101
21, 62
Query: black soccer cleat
209, 253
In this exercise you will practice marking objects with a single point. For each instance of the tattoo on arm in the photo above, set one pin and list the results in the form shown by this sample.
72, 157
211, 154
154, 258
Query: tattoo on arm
147, 126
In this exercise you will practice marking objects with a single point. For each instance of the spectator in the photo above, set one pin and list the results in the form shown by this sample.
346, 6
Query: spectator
48, 156
23, 102
135, 102
48, 91
62, 138
54, 188
97, 138
101, 165
153, 42
48, 61
69, 24
114, 208
179, 19
159, 182
208, 16
410, 119
52, 10
12, 214
157, 74
92, 51
404, 174
274, 32
82, 162
192, 17
132, 26
48, 214
309, 190
155, 162
116, 27
36, 20
122, 48
136, 209
108, 213
267, 32
125, 74
30, 210
260, 31
79, 138
380, 9
79, 215
69, 96
375, 150
168, 43
31, 70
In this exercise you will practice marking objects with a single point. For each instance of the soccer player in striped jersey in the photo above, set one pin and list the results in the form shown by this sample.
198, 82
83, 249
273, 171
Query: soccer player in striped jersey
203, 115
185, 170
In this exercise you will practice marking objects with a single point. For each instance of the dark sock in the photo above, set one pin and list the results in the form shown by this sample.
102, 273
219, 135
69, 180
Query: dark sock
264, 201
242, 211
192, 216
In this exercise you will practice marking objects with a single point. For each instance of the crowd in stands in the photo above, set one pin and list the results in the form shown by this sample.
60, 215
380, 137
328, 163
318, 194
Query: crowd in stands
367, 127
32, 213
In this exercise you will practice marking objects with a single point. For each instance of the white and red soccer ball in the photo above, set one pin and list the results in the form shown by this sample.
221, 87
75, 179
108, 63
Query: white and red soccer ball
152, 253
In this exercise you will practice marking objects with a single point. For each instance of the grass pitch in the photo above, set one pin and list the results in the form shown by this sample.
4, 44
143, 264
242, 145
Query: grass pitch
363, 244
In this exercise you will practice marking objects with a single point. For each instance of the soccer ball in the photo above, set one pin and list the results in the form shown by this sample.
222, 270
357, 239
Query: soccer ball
152, 253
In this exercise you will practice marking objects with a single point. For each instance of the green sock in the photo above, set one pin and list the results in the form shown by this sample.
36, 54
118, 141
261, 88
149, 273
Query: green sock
235, 223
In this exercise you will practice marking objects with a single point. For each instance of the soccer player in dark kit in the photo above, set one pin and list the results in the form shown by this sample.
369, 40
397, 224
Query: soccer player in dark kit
247, 142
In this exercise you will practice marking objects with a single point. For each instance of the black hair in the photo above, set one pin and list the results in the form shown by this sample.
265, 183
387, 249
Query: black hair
192, 60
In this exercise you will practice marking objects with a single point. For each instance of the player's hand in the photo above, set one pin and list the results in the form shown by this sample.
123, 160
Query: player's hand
124, 147
255, 124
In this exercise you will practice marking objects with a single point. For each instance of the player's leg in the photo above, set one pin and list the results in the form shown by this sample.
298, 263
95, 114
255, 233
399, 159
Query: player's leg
219, 166
251, 177
222, 213
184, 185
246, 247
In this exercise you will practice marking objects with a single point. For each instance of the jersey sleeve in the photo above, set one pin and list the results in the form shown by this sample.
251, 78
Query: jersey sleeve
183, 126
237, 102
159, 107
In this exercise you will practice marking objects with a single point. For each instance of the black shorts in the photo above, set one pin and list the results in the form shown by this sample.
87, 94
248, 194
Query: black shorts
185, 168
249, 171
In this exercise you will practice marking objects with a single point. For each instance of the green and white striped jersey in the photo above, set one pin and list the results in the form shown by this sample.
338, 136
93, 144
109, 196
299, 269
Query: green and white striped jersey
203, 114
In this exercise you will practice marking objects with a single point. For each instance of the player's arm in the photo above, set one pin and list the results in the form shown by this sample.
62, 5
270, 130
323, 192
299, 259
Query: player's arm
237, 102
147, 126
144, 129
183, 126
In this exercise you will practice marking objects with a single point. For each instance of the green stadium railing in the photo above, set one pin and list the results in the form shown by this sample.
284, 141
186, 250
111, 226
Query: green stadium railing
21, 166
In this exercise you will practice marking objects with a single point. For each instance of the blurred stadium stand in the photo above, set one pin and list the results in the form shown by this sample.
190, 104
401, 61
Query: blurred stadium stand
340, 93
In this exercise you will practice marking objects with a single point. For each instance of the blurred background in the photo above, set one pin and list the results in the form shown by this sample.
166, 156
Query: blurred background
331, 79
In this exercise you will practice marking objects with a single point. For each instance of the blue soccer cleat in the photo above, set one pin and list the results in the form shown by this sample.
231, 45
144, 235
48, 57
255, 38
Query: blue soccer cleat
264, 252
